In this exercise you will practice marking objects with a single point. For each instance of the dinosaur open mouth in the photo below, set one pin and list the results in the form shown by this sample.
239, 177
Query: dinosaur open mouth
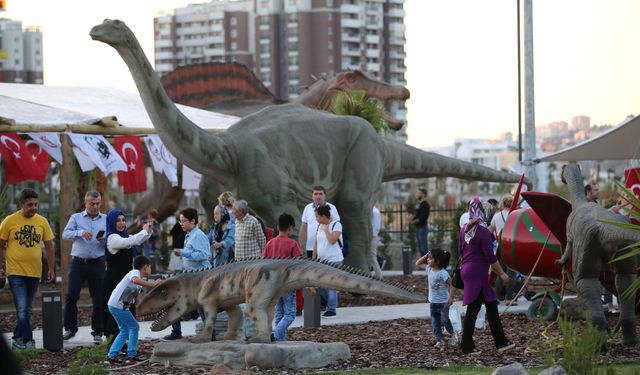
157, 317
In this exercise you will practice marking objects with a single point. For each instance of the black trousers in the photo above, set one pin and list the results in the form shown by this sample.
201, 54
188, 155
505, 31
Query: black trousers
469, 324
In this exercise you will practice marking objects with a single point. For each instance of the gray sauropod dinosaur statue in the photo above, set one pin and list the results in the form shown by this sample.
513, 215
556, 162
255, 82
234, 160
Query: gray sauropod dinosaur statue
257, 282
274, 157
592, 243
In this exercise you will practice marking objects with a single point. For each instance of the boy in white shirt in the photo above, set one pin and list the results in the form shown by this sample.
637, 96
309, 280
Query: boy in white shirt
122, 297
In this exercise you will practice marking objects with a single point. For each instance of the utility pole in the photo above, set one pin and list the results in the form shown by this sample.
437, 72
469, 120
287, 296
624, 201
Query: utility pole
529, 100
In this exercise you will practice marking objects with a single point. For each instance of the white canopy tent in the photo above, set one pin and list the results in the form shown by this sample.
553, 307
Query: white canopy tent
620, 143
61, 105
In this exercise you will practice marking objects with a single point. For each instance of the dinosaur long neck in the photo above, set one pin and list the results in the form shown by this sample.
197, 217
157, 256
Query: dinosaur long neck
573, 178
403, 161
315, 96
197, 148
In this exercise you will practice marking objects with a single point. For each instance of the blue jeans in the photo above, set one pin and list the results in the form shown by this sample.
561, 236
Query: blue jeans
422, 233
285, 315
24, 290
93, 273
222, 256
331, 296
129, 329
440, 317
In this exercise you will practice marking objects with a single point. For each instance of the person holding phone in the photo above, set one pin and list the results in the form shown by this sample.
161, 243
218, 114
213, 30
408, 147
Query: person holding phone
87, 264
121, 250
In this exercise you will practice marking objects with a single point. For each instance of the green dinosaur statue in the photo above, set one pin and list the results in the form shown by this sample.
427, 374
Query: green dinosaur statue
257, 282
591, 244
274, 157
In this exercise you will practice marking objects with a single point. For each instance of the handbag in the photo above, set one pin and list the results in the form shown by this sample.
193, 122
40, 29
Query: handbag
456, 277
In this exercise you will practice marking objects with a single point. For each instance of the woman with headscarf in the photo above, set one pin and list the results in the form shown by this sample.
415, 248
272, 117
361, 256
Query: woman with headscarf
121, 249
221, 236
475, 247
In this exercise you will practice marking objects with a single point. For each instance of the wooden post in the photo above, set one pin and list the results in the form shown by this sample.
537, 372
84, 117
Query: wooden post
67, 193
102, 187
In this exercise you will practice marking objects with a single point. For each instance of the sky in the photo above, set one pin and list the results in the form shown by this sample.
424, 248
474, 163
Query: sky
461, 59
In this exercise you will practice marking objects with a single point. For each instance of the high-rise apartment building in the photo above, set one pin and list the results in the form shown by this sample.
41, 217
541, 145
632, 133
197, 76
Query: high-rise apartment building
20, 53
580, 123
288, 42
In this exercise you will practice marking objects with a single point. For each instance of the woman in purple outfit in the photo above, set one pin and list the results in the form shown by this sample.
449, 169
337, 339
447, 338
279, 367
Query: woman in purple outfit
475, 246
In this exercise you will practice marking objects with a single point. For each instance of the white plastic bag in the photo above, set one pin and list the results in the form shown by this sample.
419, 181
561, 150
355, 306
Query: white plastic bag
480, 320
454, 317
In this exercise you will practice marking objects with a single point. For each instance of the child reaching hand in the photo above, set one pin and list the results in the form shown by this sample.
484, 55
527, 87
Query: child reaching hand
440, 294
122, 297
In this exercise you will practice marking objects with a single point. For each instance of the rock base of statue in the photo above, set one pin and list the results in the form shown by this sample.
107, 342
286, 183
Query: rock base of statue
237, 355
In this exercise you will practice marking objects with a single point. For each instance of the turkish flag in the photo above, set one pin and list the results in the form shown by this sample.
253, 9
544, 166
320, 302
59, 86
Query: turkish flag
40, 156
134, 179
19, 161
632, 180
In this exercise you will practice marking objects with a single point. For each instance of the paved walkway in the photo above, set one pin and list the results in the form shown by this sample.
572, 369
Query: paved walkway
345, 315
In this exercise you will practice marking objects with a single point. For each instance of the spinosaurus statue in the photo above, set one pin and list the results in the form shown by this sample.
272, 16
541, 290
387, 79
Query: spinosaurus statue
257, 282
591, 244
275, 157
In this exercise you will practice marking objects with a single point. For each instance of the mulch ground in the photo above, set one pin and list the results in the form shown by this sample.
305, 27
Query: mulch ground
396, 343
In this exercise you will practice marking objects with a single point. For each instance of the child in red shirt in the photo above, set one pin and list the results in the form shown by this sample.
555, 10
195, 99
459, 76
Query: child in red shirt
282, 246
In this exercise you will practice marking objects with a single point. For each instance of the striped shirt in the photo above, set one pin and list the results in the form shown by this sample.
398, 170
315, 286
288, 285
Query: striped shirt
250, 239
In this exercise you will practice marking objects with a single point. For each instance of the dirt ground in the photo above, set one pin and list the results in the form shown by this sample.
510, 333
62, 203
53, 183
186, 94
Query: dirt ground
396, 343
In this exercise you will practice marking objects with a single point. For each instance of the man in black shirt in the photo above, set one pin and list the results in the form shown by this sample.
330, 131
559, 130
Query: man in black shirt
420, 219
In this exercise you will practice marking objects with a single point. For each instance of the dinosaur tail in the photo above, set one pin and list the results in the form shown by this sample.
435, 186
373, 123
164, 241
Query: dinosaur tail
404, 161
345, 279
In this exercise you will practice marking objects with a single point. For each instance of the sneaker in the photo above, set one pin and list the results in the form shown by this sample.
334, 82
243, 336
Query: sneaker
439, 345
614, 311
172, 337
329, 314
68, 334
453, 341
473, 352
18, 344
97, 339
133, 360
506, 347
31, 344
112, 361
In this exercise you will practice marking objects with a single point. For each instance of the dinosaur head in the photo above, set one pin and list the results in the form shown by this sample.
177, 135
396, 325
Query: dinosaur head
166, 303
112, 32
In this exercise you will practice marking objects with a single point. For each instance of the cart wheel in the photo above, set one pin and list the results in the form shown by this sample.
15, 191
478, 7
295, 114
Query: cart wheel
542, 308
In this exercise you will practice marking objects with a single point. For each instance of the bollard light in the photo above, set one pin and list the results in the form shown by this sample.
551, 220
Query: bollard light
407, 262
52, 320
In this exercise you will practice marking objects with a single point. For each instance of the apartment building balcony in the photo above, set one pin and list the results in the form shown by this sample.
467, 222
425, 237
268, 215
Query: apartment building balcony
394, 12
372, 53
397, 27
351, 52
395, 68
351, 8
349, 37
374, 39
164, 43
397, 55
218, 27
351, 22
163, 55
214, 51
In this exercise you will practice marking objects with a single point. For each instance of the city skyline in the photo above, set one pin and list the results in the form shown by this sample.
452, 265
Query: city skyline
461, 59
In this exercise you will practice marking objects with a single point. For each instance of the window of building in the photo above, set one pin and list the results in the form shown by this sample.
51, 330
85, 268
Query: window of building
234, 33
330, 3
293, 60
264, 20
330, 17
330, 59
330, 44
233, 21
293, 46
234, 46
265, 61
294, 89
330, 31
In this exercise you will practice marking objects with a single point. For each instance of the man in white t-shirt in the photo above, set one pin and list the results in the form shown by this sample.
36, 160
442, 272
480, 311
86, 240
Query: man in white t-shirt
500, 218
309, 227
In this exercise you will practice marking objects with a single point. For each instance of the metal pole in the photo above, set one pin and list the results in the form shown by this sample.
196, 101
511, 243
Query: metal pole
518, 34
529, 100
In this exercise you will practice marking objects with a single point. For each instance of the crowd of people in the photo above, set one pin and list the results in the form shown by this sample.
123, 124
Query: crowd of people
114, 264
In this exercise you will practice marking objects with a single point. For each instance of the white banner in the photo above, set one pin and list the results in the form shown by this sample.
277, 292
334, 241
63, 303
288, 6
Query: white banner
190, 178
101, 153
162, 160
50, 142
83, 159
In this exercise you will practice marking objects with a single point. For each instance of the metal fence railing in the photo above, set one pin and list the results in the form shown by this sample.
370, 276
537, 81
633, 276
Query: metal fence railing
396, 221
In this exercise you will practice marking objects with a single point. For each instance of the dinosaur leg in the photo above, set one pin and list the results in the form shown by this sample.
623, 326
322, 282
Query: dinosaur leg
258, 313
358, 232
209, 322
625, 277
589, 289
235, 320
